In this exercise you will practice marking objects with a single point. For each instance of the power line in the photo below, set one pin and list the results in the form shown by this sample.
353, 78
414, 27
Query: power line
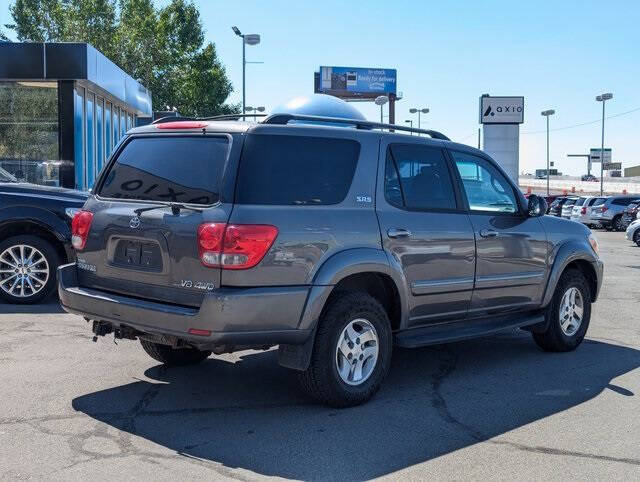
583, 123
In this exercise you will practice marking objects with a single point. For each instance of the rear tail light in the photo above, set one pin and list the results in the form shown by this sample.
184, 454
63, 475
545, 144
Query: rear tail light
234, 246
80, 229
603, 209
583, 211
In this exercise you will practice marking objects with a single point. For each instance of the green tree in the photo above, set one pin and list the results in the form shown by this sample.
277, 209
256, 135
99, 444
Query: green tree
163, 48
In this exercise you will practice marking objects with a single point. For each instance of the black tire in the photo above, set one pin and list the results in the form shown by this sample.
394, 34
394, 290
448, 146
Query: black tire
321, 380
554, 339
42, 291
617, 223
176, 357
636, 237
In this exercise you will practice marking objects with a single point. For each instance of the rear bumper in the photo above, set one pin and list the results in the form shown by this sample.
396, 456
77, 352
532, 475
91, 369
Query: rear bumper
234, 316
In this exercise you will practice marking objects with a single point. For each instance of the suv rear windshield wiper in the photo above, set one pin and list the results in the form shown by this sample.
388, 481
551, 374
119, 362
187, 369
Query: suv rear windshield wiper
175, 208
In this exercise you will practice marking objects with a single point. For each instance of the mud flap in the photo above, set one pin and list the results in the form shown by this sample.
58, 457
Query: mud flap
297, 357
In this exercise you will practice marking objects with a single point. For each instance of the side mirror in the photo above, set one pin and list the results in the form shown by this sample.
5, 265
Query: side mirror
537, 206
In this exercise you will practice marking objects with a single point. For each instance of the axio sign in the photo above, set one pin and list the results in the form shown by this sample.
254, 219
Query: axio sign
501, 110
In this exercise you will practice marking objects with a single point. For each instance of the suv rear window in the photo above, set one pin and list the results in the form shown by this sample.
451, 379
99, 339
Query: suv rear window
170, 169
278, 169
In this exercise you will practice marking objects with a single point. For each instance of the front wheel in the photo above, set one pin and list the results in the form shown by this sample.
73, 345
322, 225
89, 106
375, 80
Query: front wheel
568, 314
174, 356
27, 269
352, 351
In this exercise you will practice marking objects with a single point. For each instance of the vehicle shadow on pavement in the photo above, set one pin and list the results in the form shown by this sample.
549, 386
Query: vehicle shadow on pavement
48, 307
251, 414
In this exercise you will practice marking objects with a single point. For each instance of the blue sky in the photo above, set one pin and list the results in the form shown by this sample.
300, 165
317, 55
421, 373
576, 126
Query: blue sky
558, 55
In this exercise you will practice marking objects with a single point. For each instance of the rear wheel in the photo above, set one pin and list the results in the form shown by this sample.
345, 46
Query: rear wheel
351, 353
174, 356
618, 225
636, 237
568, 314
27, 269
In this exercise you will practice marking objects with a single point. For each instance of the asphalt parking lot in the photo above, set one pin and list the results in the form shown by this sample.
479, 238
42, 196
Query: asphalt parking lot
494, 408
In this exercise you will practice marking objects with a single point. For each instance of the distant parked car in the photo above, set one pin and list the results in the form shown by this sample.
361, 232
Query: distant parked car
589, 177
35, 237
630, 213
567, 207
582, 209
609, 214
555, 208
633, 232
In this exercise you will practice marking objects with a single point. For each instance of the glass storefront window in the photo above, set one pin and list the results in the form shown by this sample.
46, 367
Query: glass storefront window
123, 122
78, 144
108, 136
99, 135
90, 166
29, 131
116, 125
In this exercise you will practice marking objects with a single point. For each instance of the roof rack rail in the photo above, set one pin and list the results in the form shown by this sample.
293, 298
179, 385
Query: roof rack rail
162, 120
171, 118
231, 116
284, 119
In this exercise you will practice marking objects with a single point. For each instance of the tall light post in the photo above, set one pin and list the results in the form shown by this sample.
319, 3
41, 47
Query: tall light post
247, 39
381, 100
410, 122
603, 98
254, 110
424, 110
547, 113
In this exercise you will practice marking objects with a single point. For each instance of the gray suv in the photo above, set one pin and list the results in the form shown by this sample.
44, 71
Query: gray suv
332, 240
609, 214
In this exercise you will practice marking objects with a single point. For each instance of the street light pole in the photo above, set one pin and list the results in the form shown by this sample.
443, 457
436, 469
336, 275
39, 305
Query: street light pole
409, 121
251, 39
602, 98
414, 110
381, 100
547, 113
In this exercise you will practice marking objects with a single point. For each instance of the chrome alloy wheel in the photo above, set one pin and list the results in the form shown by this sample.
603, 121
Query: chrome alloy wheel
24, 270
571, 311
357, 352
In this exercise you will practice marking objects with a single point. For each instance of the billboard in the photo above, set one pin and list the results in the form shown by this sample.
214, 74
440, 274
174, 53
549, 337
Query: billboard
594, 154
501, 110
356, 81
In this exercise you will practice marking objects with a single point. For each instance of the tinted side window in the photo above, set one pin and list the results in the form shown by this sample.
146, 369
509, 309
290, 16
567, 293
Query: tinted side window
599, 201
176, 169
417, 177
295, 170
486, 188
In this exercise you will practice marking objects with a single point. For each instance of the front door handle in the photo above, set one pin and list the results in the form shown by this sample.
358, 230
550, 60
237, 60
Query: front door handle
488, 233
398, 233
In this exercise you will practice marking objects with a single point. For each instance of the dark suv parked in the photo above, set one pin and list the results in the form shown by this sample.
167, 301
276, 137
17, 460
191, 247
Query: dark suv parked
331, 242
35, 237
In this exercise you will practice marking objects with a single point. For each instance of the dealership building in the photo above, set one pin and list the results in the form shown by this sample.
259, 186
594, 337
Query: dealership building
63, 108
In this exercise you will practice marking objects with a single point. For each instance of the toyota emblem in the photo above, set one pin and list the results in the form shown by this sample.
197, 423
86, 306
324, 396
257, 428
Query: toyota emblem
134, 223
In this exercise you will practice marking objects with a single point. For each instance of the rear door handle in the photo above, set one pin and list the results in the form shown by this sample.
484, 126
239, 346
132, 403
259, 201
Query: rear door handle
398, 233
488, 233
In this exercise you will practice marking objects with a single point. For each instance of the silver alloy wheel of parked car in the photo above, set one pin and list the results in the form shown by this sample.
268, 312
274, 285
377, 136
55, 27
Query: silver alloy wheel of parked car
24, 270
571, 311
357, 351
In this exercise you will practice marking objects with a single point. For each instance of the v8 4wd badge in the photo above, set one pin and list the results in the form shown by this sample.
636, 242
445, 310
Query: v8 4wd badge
198, 285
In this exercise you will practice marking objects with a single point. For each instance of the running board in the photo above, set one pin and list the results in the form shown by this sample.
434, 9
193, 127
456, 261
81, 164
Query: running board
463, 330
